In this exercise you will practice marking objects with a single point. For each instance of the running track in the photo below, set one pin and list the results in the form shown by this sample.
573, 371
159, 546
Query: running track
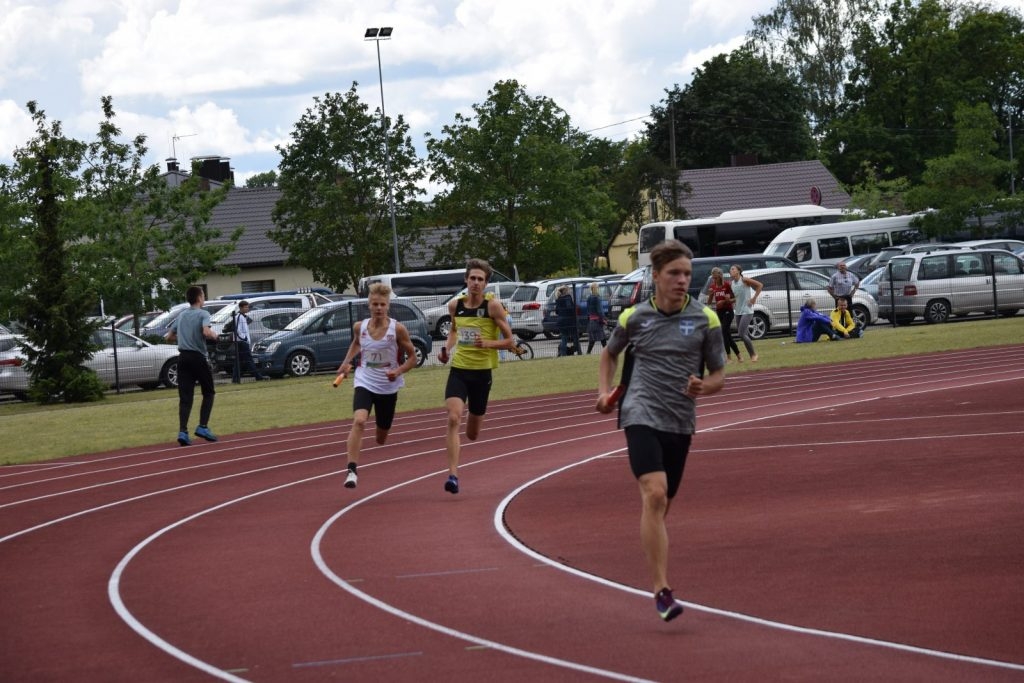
856, 522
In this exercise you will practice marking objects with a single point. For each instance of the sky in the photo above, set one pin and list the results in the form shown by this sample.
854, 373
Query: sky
231, 79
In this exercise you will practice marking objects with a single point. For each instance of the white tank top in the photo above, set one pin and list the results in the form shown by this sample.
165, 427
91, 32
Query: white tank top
376, 357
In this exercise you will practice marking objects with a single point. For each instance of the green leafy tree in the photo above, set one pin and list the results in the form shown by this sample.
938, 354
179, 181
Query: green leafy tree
964, 185
142, 240
514, 184
265, 179
42, 203
629, 174
875, 196
910, 73
333, 215
738, 103
814, 39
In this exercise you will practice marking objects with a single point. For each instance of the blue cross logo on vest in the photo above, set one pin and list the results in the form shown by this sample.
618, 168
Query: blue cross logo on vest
687, 327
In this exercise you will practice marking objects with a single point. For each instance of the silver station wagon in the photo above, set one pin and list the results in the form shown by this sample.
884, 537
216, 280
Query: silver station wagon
936, 285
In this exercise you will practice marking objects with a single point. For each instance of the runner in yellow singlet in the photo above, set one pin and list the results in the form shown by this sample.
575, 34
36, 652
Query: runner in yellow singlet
477, 322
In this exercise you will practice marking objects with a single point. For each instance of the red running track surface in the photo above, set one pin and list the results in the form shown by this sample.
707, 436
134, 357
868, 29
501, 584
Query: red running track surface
854, 522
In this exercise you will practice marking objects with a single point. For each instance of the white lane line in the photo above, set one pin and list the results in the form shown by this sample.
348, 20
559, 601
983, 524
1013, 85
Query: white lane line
114, 583
347, 586
499, 525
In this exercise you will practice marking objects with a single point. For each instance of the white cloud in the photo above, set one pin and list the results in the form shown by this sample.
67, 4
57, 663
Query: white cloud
16, 129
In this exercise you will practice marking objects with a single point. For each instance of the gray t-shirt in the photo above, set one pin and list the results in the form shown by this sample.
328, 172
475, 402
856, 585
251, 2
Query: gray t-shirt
667, 349
189, 328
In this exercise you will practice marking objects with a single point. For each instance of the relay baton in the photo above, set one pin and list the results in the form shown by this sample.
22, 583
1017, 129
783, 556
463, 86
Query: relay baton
616, 394
338, 380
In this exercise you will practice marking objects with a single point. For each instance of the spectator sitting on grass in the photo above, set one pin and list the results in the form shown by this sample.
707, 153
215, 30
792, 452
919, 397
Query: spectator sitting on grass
845, 325
812, 325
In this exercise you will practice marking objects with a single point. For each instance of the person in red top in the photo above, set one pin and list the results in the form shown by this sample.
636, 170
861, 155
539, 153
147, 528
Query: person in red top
721, 299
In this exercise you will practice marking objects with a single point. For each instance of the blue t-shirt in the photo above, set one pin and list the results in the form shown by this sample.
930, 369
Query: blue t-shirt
189, 328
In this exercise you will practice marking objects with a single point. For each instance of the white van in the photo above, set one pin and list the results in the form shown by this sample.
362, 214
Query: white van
808, 245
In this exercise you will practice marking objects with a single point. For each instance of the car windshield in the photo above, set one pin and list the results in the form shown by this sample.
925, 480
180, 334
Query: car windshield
307, 317
166, 317
223, 315
525, 293
780, 249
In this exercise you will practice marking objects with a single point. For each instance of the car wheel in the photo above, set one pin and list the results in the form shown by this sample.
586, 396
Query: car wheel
444, 326
299, 364
862, 315
936, 311
169, 374
525, 334
421, 353
759, 326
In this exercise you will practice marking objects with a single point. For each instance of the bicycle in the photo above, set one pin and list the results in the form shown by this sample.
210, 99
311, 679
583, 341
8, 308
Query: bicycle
522, 351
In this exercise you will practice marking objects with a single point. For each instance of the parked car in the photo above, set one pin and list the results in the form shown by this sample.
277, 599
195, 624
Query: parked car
438, 320
825, 269
126, 323
786, 290
262, 324
319, 338
860, 265
526, 309
937, 285
579, 290
702, 268
159, 325
869, 283
303, 300
137, 362
1008, 245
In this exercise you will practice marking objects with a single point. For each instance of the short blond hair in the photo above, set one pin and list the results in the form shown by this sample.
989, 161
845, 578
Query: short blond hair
380, 289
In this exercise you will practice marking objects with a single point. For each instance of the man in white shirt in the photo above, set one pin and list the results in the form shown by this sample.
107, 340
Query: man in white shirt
843, 284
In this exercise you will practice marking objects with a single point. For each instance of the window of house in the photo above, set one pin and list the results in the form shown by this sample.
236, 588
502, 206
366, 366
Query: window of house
257, 286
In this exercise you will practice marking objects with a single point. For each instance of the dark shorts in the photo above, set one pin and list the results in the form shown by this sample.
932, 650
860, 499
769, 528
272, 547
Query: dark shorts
383, 405
653, 451
472, 386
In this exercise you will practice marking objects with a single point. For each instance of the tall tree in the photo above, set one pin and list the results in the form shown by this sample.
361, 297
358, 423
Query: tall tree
964, 185
910, 74
814, 39
333, 215
144, 241
43, 196
736, 104
513, 182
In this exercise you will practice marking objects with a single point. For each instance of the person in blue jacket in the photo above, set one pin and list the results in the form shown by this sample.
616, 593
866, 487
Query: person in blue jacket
812, 325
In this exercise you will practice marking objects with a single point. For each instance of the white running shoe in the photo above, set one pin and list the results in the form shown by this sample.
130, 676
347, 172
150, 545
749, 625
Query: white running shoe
351, 479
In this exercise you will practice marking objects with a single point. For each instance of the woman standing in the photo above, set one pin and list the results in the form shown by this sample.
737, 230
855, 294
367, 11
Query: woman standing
721, 298
595, 319
745, 292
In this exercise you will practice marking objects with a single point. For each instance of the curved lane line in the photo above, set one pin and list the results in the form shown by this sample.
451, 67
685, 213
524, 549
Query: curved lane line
499, 525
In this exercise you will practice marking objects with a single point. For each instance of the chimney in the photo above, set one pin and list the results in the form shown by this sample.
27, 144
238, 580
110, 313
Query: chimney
172, 164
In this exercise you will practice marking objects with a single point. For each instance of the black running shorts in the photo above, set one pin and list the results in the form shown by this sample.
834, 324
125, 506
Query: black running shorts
651, 450
383, 405
472, 386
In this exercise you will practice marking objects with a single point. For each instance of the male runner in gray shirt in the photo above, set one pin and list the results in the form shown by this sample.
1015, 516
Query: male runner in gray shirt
191, 330
672, 339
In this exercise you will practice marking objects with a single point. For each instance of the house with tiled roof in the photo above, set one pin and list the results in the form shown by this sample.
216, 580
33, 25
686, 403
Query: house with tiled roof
729, 188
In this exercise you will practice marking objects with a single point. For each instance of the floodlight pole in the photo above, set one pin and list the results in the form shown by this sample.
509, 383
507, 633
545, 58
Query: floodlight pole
377, 35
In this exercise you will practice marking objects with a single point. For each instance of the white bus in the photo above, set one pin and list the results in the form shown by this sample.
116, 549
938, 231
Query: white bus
423, 283
745, 231
821, 244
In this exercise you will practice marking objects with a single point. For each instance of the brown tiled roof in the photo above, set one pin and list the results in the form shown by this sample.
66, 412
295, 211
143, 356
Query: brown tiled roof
714, 190
249, 208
